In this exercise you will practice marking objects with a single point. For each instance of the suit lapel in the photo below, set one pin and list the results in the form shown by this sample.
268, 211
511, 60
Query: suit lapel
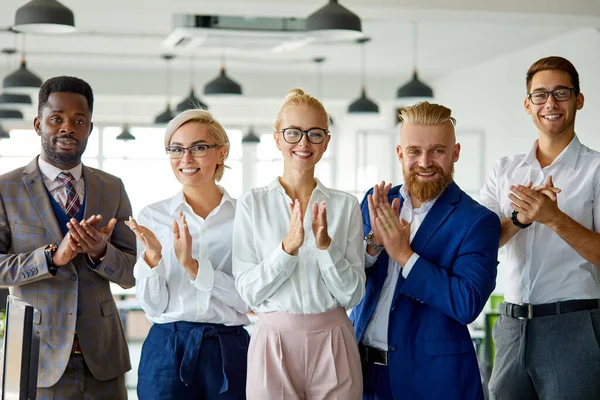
93, 194
34, 183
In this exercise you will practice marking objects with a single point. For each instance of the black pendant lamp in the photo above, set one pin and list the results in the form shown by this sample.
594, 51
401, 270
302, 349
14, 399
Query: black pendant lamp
167, 115
4, 133
251, 137
414, 87
125, 134
319, 61
334, 21
222, 85
11, 114
14, 100
21, 79
363, 105
44, 16
191, 101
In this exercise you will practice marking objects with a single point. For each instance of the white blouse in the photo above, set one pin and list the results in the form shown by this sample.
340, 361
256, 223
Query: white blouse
167, 293
313, 281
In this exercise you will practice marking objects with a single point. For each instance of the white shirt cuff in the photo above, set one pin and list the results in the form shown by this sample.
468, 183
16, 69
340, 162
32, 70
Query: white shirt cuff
409, 265
142, 270
205, 279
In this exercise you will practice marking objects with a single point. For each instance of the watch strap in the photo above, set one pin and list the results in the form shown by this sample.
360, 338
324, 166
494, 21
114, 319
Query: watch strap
516, 221
48, 253
372, 244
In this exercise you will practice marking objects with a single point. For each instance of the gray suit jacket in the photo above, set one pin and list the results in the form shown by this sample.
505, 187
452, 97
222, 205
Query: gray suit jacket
78, 298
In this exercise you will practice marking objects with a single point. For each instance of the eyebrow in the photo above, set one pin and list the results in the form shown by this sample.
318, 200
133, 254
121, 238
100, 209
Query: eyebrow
542, 89
62, 111
193, 143
435, 146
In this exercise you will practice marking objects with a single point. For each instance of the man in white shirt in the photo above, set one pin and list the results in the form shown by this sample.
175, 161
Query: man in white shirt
430, 270
548, 336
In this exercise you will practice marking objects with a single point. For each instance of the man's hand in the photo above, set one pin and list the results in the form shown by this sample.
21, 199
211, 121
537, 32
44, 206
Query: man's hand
183, 246
319, 225
90, 240
395, 233
67, 249
537, 204
153, 248
379, 196
295, 237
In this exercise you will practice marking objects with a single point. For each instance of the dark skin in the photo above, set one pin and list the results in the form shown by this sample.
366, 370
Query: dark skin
64, 126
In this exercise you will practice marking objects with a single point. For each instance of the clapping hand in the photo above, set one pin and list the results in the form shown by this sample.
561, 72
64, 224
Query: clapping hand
535, 204
395, 232
153, 248
89, 239
295, 237
183, 246
319, 225
379, 196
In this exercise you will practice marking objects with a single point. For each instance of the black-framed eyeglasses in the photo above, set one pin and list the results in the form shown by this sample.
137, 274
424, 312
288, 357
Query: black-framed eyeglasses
199, 150
560, 94
314, 135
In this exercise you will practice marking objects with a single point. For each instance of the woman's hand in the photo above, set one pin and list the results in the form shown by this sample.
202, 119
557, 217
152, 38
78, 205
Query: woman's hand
183, 246
295, 236
319, 225
153, 248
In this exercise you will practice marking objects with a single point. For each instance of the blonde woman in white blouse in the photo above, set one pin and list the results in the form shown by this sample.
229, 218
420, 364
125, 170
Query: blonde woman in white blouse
197, 346
298, 262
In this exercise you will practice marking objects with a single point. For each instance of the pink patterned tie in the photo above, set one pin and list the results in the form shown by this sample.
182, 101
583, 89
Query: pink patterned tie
72, 206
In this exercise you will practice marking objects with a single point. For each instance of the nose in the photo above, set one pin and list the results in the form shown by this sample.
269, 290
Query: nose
187, 156
551, 102
425, 160
68, 127
304, 140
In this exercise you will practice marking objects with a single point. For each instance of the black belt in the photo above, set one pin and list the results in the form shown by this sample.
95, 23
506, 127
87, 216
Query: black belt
372, 355
528, 311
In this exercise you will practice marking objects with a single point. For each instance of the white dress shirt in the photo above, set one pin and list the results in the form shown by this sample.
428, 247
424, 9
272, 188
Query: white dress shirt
542, 267
313, 281
57, 189
376, 333
166, 292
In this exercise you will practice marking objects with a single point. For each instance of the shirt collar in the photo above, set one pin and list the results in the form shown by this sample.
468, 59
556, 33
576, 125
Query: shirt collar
425, 207
568, 156
178, 202
51, 172
276, 185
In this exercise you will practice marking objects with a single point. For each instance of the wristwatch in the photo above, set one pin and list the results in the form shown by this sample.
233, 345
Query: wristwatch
370, 242
49, 251
516, 221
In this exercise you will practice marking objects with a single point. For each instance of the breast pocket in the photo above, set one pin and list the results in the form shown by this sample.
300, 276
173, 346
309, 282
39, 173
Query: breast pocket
28, 230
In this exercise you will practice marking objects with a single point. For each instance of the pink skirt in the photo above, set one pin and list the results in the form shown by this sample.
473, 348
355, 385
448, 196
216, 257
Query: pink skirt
304, 356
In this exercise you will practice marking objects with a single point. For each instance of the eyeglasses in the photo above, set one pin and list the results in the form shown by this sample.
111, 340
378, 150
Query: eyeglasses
199, 150
560, 94
314, 135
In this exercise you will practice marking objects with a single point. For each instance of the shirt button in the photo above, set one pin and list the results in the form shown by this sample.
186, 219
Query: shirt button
392, 348
73, 277
393, 308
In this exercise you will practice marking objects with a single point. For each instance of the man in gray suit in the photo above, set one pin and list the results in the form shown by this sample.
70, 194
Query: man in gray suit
55, 255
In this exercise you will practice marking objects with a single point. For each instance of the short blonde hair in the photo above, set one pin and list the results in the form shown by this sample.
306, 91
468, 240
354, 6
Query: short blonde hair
425, 113
216, 132
297, 97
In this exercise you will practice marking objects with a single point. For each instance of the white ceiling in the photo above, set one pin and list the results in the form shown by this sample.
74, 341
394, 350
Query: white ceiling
128, 34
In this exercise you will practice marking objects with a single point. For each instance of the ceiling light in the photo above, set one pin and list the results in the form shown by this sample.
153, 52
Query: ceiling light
14, 100
222, 85
3, 133
363, 104
125, 134
21, 79
44, 16
334, 21
414, 87
191, 102
319, 61
167, 115
11, 114
251, 137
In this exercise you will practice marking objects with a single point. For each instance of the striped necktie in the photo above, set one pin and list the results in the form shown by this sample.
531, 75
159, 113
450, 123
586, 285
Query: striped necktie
72, 205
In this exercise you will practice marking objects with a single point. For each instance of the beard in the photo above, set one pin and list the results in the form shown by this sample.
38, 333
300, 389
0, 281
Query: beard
427, 190
59, 158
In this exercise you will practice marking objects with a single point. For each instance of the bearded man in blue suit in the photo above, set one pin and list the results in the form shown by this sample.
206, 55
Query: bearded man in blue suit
431, 257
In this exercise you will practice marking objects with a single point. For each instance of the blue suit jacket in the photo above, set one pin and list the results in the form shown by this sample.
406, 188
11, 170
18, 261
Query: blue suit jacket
430, 353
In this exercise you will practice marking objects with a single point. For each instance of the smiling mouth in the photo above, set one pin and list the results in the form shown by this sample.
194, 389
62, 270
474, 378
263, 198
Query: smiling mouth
302, 154
189, 171
552, 117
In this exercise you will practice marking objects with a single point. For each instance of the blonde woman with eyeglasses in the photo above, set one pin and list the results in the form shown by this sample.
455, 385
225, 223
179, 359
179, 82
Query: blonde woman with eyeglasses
197, 346
298, 261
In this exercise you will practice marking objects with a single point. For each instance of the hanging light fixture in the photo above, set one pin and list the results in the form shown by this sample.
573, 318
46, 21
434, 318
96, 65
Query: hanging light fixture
8, 100
125, 134
167, 115
414, 87
3, 133
334, 21
44, 16
319, 61
251, 137
11, 114
222, 85
191, 101
22, 79
363, 104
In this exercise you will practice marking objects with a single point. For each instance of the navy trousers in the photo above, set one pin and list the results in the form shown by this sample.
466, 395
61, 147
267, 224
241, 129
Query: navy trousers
186, 360
376, 382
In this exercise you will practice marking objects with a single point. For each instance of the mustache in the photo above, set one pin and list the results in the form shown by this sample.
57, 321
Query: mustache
421, 170
69, 137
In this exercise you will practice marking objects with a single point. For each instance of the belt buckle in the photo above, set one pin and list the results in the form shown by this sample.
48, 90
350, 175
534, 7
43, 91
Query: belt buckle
385, 359
529, 312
